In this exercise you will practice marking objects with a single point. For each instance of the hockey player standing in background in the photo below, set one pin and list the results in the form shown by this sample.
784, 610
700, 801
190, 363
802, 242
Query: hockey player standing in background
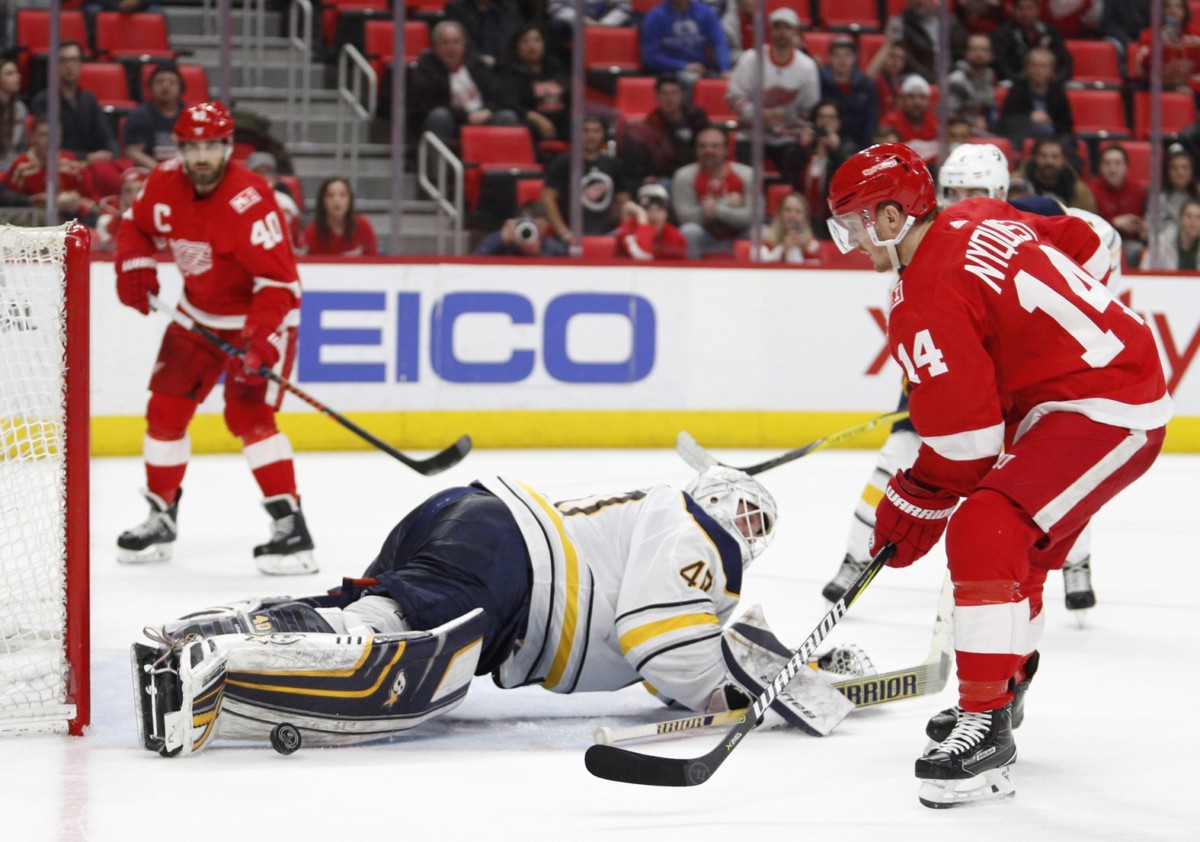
227, 235
1037, 396
971, 171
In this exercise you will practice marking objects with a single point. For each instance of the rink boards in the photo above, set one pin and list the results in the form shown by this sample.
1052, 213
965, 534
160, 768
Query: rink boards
561, 354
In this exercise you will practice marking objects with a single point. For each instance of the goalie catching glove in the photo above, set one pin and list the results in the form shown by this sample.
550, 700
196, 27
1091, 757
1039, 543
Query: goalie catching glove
137, 280
912, 517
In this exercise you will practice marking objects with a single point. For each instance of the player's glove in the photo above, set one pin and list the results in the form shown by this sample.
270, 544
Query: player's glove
257, 351
137, 279
912, 517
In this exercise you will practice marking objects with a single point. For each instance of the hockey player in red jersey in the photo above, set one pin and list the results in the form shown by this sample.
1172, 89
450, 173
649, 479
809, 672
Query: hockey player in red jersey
239, 278
1037, 396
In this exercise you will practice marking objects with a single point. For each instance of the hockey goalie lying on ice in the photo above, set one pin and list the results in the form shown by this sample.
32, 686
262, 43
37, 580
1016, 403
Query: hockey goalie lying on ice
580, 595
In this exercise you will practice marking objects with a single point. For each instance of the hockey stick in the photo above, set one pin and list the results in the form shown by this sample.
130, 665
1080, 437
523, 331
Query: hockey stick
701, 460
435, 464
624, 766
925, 679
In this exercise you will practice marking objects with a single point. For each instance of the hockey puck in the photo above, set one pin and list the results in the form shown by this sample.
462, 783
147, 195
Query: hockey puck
285, 738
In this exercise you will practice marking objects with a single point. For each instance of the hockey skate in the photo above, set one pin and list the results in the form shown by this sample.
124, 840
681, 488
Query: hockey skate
154, 538
1077, 582
289, 552
846, 574
941, 724
972, 764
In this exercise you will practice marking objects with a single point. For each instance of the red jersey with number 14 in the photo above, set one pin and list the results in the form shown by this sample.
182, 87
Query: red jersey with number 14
995, 326
230, 245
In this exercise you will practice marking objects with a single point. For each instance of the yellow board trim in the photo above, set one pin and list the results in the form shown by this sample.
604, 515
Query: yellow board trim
123, 435
566, 638
332, 694
637, 636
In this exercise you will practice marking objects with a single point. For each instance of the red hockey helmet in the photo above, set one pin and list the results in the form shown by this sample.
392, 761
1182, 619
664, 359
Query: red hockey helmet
206, 121
885, 172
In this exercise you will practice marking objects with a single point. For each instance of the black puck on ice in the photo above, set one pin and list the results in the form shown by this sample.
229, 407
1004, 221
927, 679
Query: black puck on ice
285, 738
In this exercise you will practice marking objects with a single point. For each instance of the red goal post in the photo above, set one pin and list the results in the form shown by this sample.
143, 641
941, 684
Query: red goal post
44, 450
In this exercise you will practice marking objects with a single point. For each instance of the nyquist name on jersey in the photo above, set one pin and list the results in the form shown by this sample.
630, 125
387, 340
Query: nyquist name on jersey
995, 240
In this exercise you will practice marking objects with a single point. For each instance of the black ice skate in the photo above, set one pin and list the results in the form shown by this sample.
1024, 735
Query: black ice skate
972, 764
289, 552
846, 574
941, 724
154, 538
1077, 582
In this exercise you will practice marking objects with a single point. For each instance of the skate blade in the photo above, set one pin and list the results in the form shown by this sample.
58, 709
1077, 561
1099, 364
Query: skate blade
292, 564
991, 785
150, 555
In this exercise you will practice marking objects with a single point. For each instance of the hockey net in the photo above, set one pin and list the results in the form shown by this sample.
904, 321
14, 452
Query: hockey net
44, 479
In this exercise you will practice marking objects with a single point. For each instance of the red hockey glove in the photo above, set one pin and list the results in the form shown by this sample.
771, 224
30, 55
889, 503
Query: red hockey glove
257, 351
911, 517
137, 278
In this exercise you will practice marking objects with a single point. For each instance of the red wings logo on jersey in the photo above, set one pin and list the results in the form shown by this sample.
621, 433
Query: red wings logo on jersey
245, 200
192, 258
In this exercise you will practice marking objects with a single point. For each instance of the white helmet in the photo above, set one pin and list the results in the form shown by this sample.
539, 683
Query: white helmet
740, 504
973, 166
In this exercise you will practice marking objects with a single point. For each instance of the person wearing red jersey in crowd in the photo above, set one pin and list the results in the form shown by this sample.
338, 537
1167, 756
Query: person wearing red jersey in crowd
337, 229
113, 207
224, 228
1121, 199
26, 176
1038, 396
710, 197
646, 233
913, 119
1180, 49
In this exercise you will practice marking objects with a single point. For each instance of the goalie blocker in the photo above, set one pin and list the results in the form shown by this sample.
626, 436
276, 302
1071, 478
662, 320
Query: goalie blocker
238, 672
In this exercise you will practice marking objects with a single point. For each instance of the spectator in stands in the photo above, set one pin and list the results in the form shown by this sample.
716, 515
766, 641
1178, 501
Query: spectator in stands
1123, 21
1178, 245
918, 28
684, 37
789, 237
1179, 184
150, 128
527, 235
489, 25
914, 120
856, 96
1020, 34
791, 87
972, 84
110, 211
983, 16
449, 87
824, 147
337, 229
958, 132
655, 148
1180, 49
602, 191
711, 197
738, 25
886, 68
1121, 200
538, 89
1049, 174
264, 164
86, 131
26, 175
1037, 104
646, 232
13, 138
595, 12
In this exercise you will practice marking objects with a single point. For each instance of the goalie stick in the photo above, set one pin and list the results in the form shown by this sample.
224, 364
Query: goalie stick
701, 460
435, 464
624, 766
924, 679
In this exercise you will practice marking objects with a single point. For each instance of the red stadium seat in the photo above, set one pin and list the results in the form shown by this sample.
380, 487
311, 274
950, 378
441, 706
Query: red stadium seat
869, 43
598, 247
195, 81
108, 82
487, 149
709, 94
817, 44
379, 43
776, 193
850, 15
427, 10
1178, 112
529, 190
136, 36
331, 10
635, 97
31, 28
1098, 113
1096, 63
612, 49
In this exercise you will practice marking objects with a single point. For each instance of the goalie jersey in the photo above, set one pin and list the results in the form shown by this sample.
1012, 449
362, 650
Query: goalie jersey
626, 587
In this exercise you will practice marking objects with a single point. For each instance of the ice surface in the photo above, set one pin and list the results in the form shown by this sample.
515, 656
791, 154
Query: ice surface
1105, 750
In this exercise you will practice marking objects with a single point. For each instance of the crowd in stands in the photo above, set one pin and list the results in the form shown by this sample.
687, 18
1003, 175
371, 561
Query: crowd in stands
1018, 70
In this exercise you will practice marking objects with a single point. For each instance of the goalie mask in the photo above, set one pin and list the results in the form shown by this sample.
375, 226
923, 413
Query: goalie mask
740, 504
971, 170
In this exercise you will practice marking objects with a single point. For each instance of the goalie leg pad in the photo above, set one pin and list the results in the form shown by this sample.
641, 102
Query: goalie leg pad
178, 692
753, 656
252, 616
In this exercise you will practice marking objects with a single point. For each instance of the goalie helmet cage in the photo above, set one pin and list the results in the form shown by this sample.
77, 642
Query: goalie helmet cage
44, 645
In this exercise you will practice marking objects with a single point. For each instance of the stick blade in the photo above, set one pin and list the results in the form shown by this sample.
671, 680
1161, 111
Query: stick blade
691, 452
443, 459
628, 767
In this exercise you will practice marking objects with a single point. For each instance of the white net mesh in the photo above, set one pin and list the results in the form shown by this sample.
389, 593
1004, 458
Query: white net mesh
33, 664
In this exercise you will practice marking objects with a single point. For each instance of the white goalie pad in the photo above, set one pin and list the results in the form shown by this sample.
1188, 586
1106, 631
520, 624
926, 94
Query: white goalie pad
754, 656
